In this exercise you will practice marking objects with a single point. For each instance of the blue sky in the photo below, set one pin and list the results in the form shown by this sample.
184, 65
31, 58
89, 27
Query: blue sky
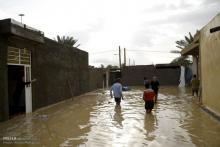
141, 26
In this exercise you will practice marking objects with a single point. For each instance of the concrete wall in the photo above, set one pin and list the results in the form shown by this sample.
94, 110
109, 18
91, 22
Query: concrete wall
168, 76
61, 73
96, 78
210, 65
133, 75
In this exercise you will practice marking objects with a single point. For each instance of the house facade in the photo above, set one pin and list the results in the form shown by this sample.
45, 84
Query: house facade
206, 54
26, 54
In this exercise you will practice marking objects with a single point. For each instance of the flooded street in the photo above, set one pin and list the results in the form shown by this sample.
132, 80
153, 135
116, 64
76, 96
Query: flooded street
93, 120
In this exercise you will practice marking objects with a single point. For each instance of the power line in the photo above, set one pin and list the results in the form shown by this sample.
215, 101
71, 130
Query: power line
101, 52
148, 51
131, 52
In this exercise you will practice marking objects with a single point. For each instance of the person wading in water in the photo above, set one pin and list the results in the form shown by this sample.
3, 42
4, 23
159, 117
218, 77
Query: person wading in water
148, 97
117, 91
155, 86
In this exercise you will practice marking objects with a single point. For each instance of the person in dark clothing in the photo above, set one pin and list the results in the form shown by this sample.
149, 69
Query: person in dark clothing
19, 89
155, 86
195, 86
146, 81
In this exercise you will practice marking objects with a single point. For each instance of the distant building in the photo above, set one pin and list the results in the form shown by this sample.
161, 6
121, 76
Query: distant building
205, 50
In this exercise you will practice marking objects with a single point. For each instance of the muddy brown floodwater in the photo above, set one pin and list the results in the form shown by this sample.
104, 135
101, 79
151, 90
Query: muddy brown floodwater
92, 120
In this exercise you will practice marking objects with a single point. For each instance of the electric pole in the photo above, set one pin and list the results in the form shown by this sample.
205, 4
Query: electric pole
124, 57
119, 57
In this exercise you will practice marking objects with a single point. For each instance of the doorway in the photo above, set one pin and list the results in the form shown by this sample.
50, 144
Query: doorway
19, 89
16, 90
19, 78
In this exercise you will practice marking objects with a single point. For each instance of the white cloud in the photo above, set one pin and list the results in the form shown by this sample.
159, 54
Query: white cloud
105, 24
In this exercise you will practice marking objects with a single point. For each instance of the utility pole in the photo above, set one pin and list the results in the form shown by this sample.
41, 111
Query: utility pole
21, 15
129, 61
119, 57
124, 57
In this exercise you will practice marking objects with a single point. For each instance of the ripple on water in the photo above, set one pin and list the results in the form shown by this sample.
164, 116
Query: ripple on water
93, 120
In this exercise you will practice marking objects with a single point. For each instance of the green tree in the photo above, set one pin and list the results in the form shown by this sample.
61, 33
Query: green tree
182, 61
111, 66
102, 66
67, 41
181, 44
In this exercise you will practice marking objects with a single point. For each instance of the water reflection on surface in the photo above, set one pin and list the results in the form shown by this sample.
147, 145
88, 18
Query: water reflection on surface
94, 120
118, 117
150, 126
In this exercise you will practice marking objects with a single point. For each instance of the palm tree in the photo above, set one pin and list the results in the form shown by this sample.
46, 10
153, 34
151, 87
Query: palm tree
182, 61
102, 66
67, 41
181, 44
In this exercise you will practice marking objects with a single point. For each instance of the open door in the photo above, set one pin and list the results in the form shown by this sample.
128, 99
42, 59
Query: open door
16, 90
19, 71
28, 92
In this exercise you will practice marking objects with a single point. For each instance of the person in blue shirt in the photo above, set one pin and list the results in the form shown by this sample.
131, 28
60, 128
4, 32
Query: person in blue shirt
117, 91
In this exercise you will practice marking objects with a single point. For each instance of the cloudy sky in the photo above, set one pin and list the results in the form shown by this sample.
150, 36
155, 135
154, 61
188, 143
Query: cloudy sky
148, 29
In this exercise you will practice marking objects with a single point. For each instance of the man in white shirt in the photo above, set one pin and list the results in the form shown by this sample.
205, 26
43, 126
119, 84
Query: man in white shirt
117, 91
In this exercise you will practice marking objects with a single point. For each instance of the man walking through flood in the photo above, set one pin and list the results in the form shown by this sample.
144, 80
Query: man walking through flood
148, 97
155, 86
117, 91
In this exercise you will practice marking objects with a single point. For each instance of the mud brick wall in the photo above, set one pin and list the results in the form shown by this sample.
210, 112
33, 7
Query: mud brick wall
168, 76
61, 73
96, 78
134, 75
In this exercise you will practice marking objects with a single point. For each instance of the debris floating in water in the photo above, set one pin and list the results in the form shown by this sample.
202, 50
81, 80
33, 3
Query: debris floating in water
43, 117
126, 88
